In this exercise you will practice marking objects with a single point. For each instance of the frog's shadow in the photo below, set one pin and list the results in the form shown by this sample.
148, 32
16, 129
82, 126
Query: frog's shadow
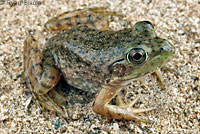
73, 95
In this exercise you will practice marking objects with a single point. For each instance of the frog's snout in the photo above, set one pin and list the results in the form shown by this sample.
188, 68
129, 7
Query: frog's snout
162, 51
163, 47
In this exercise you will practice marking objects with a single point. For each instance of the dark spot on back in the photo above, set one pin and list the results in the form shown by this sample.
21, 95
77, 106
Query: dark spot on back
89, 20
78, 22
45, 85
145, 35
138, 43
69, 23
58, 25
77, 16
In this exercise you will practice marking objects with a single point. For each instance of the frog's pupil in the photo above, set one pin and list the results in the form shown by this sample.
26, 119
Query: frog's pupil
137, 56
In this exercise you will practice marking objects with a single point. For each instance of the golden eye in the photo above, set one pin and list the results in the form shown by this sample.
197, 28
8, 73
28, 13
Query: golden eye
137, 56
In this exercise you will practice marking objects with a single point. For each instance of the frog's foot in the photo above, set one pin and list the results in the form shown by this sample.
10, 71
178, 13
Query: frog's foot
52, 101
92, 17
48, 103
129, 106
119, 111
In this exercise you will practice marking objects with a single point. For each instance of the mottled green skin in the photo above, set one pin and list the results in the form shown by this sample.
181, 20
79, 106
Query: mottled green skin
86, 56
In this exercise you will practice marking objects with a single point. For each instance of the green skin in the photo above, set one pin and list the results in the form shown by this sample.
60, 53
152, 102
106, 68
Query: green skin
85, 56
93, 60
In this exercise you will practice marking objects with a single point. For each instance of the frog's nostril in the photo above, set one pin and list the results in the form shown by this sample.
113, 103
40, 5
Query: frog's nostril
171, 49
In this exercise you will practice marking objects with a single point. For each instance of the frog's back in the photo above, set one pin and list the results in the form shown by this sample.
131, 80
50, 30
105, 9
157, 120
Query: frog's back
84, 55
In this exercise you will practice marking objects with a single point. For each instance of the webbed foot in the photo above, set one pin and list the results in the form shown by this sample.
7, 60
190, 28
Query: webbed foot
133, 111
119, 111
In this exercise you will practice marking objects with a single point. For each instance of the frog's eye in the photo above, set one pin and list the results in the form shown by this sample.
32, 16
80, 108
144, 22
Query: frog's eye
137, 56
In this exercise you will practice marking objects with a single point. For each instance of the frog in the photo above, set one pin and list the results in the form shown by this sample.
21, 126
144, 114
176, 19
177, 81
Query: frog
92, 57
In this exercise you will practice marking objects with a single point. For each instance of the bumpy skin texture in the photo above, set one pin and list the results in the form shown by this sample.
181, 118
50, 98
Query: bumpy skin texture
93, 60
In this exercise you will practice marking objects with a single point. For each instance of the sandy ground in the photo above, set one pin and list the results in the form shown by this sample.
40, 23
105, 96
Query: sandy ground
178, 106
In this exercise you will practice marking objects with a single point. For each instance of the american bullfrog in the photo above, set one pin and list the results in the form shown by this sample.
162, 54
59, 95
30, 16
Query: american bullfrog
93, 58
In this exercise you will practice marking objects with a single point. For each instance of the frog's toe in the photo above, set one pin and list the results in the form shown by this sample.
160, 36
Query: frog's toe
48, 103
133, 102
120, 102
135, 111
126, 111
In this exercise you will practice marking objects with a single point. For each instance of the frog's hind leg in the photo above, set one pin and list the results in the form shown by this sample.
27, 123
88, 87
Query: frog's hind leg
41, 74
119, 111
92, 17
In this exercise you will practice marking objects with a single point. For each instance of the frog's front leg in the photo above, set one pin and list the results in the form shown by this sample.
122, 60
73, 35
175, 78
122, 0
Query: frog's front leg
40, 71
122, 111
